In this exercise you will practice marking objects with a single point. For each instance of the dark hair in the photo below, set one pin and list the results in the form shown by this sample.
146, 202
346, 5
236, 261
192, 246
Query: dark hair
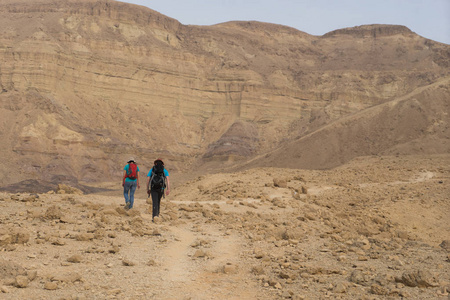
158, 160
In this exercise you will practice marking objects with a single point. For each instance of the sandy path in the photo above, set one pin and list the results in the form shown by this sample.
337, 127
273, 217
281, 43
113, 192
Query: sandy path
185, 276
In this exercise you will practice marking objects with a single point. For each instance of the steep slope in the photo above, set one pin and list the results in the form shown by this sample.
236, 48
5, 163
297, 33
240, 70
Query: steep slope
417, 123
86, 84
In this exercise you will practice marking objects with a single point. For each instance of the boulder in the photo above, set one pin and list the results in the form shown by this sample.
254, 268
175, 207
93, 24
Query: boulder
417, 278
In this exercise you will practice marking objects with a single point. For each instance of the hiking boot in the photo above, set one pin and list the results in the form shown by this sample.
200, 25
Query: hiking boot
127, 206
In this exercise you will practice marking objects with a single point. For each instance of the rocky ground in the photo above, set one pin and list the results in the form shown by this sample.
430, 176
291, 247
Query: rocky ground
375, 228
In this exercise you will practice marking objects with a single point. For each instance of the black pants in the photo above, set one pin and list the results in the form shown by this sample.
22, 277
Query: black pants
156, 201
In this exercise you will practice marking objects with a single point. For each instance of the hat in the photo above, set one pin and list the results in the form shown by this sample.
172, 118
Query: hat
131, 160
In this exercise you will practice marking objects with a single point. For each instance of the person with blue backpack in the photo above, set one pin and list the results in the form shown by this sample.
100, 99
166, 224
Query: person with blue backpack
129, 182
157, 185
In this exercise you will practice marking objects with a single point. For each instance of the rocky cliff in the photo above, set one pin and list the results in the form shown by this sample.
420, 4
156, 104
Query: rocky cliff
86, 84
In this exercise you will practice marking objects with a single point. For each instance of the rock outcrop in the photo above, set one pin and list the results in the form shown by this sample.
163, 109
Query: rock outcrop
85, 84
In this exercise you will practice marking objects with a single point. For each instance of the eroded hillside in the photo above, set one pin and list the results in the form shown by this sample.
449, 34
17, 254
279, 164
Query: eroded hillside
86, 84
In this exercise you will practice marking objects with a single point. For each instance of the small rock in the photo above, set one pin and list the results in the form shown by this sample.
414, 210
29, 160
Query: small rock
280, 182
32, 274
114, 292
199, 243
53, 213
417, 278
65, 189
358, 277
156, 232
19, 236
304, 190
115, 249
445, 245
75, 258
85, 237
363, 258
284, 275
259, 254
67, 219
403, 235
340, 288
128, 263
30, 198
51, 285
258, 270
57, 242
286, 295
5, 239
200, 253
21, 281
230, 269
378, 290
15, 198
67, 277
272, 282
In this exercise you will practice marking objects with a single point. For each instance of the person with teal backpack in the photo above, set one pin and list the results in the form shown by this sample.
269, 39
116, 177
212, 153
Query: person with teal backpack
129, 182
157, 185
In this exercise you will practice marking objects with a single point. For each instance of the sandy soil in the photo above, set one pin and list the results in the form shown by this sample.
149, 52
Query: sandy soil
376, 228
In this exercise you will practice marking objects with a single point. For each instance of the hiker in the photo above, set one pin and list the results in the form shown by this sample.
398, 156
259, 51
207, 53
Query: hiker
130, 182
157, 184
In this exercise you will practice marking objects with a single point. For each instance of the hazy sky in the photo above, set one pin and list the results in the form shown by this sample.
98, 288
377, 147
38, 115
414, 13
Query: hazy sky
428, 18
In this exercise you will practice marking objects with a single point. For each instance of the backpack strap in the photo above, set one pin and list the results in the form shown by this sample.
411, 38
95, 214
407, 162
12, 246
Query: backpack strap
164, 183
149, 185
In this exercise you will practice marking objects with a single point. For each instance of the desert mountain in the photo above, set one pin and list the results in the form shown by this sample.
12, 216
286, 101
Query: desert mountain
328, 158
86, 84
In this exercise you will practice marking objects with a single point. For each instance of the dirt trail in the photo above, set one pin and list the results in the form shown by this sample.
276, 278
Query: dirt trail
193, 265
350, 233
175, 254
174, 267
